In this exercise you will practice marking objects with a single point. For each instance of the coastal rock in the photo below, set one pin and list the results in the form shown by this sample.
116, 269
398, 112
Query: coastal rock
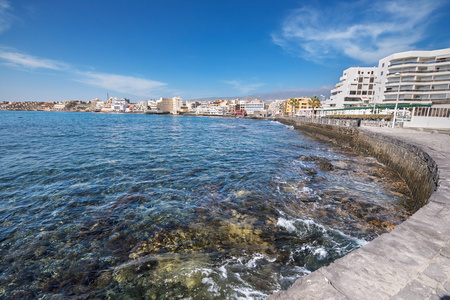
309, 171
325, 165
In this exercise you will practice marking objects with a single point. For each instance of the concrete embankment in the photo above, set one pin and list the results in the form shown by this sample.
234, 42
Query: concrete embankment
412, 261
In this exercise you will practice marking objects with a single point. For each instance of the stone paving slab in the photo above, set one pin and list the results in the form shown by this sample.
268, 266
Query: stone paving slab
309, 291
411, 262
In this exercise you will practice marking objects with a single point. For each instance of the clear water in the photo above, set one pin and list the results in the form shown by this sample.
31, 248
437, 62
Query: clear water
125, 206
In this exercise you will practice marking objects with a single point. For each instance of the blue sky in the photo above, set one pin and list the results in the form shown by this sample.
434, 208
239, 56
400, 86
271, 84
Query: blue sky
54, 50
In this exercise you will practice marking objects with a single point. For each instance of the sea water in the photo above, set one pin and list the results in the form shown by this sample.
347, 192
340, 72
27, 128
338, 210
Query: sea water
126, 206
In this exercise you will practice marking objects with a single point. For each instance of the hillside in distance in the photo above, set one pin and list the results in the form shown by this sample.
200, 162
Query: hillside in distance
279, 95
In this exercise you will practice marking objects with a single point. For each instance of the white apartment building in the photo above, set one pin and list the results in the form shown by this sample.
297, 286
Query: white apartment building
253, 106
356, 88
141, 106
153, 105
177, 103
120, 105
203, 108
96, 104
415, 77
275, 107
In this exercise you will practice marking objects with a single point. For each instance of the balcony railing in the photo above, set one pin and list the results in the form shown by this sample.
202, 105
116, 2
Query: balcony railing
416, 90
418, 62
416, 72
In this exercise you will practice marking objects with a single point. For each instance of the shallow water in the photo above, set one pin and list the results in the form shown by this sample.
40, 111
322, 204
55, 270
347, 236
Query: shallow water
140, 206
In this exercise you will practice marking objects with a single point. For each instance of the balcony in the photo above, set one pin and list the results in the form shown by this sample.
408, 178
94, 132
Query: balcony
398, 63
417, 90
417, 72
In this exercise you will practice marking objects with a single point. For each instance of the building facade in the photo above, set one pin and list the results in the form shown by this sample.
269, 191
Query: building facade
169, 105
120, 105
355, 88
415, 77
254, 106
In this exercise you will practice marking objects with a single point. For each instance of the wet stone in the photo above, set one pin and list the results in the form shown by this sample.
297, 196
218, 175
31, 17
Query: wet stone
325, 165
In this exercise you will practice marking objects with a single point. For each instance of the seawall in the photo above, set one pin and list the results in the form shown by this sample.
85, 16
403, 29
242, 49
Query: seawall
412, 261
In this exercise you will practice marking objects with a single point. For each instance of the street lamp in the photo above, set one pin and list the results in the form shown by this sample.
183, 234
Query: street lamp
396, 99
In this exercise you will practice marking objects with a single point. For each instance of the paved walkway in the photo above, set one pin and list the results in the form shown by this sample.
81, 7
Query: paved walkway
411, 262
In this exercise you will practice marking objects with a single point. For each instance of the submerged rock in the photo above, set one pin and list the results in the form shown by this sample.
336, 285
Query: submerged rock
309, 171
325, 165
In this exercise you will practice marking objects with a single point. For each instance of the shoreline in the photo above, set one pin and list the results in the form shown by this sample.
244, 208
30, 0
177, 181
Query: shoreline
413, 260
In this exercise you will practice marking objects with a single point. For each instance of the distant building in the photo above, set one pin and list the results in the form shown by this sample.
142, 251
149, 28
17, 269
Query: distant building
141, 106
356, 88
275, 108
48, 106
153, 105
255, 106
60, 105
96, 104
130, 107
169, 105
120, 105
203, 108
106, 107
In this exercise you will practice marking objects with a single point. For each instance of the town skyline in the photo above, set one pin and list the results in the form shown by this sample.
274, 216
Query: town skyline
52, 50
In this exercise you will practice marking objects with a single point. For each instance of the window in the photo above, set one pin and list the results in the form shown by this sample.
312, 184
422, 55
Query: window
381, 73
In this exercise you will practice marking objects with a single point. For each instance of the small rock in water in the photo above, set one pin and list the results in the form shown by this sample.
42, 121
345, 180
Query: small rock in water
242, 193
325, 165
309, 171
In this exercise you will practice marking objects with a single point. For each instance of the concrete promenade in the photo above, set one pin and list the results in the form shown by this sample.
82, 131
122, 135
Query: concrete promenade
411, 262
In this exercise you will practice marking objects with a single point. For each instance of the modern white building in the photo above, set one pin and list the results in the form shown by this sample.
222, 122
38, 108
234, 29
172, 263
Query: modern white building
153, 105
120, 105
141, 106
415, 77
253, 106
355, 88
275, 107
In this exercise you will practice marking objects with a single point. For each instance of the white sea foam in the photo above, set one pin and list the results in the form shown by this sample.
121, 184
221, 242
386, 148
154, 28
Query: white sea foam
258, 256
286, 224
213, 288
299, 272
223, 272
321, 252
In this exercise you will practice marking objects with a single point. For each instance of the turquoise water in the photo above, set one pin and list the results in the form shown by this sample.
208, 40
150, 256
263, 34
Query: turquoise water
123, 206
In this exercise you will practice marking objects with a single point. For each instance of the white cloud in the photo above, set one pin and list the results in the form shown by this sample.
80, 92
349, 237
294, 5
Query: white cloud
6, 17
17, 59
112, 82
119, 83
363, 30
243, 88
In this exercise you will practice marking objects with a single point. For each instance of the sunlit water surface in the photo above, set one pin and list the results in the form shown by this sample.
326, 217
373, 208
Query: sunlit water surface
161, 207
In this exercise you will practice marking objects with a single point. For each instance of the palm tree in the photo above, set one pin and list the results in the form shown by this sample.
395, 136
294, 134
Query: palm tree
283, 108
294, 103
314, 102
